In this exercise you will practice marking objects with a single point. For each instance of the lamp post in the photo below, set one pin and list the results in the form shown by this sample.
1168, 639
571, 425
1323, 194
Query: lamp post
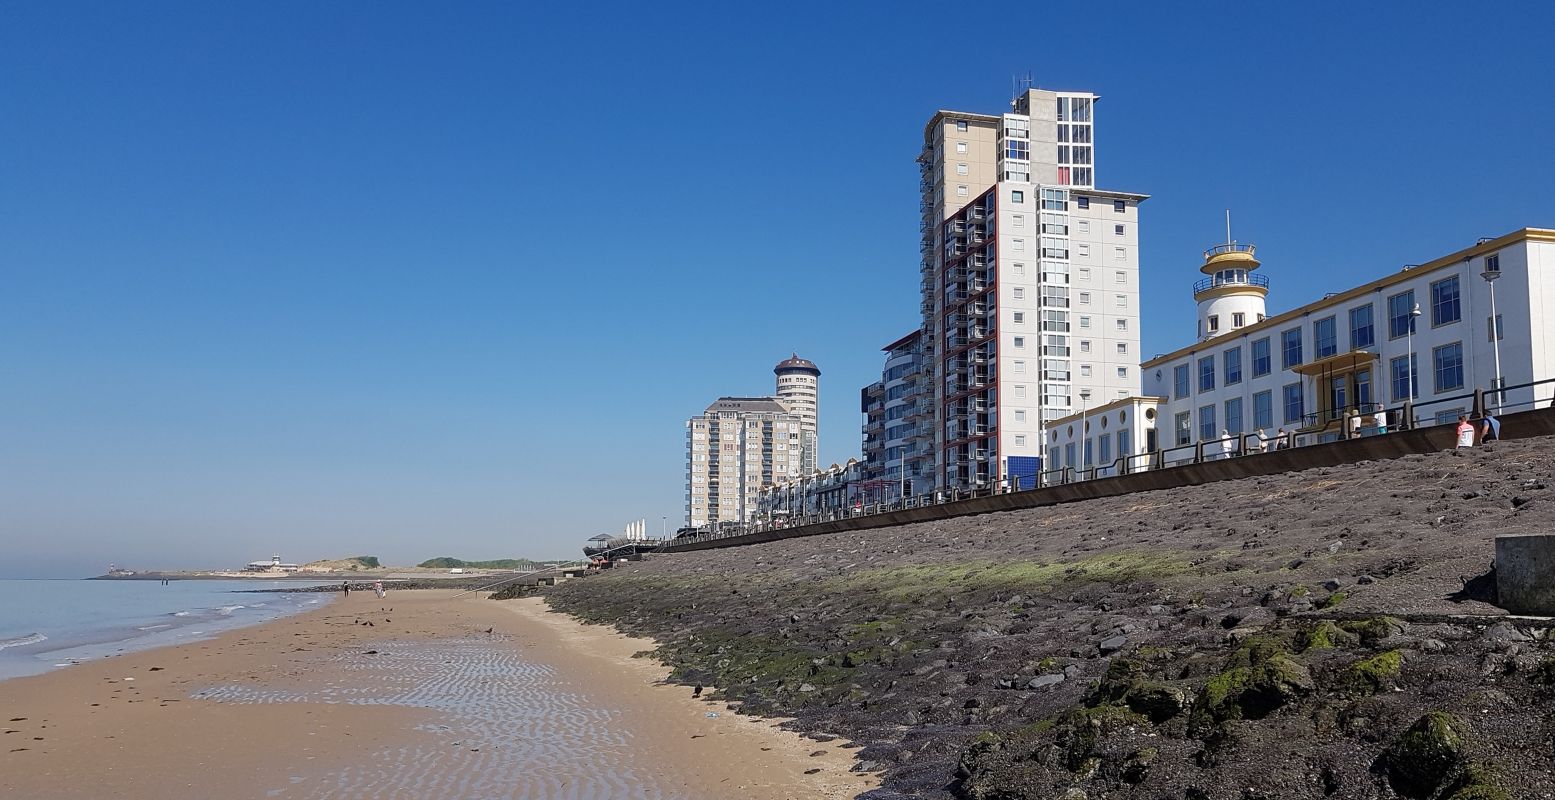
1493, 271
1409, 362
1085, 452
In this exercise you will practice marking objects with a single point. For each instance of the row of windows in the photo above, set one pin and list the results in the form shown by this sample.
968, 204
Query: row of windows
1447, 366
1080, 201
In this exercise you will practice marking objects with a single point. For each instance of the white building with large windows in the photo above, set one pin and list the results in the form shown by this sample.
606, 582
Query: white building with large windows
1422, 335
1030, 283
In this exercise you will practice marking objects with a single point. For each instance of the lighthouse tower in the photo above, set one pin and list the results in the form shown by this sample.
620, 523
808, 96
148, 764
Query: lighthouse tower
798, 388
1230, 296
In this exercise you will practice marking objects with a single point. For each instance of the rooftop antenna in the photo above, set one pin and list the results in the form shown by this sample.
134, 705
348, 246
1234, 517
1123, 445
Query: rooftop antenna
1228, 226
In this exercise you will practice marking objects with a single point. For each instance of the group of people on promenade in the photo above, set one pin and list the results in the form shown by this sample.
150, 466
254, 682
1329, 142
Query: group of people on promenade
1489, 430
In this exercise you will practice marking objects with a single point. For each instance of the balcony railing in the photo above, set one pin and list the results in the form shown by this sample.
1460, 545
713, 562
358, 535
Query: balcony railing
1222, 249
1215, 281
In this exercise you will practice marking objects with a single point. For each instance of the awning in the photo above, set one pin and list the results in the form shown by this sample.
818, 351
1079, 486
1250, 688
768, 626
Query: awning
1343, 362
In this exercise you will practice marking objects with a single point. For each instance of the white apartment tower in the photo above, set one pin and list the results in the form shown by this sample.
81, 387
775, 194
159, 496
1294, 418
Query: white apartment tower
798, 388
1030, 283
737, 447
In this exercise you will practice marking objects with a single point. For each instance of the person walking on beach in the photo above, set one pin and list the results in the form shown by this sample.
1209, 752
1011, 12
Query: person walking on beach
1490, 429
378, 589
1465, 432
345, 588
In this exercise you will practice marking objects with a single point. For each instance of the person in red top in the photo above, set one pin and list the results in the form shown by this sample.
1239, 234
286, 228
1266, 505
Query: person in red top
1465, 432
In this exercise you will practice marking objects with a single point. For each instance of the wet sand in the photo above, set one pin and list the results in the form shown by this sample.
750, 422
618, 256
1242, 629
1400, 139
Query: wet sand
424, 702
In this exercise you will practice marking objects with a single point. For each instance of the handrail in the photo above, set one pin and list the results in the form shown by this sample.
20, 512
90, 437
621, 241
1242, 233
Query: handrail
1231, 247
1213, 281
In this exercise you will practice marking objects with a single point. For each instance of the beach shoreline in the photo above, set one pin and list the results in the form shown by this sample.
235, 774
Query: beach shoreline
386, 698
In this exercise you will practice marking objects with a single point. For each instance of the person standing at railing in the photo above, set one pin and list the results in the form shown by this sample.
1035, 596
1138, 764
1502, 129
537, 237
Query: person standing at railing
1355, 424
1225, 443
1465, 432
1281, 440
1263, 441
1382, 420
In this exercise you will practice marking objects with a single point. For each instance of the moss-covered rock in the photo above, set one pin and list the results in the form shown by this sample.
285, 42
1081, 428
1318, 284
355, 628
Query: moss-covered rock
1372, 675
1332, 600
1324, 635
1473, 781
1426, 755
1125, 684
1374, 630
1252, 692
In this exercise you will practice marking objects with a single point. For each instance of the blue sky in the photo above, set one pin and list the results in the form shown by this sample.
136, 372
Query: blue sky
446, 279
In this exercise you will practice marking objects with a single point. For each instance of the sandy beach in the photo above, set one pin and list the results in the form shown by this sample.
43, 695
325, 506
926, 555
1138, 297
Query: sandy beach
439, 696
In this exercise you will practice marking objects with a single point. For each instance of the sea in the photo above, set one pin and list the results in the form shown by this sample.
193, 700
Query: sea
47, 624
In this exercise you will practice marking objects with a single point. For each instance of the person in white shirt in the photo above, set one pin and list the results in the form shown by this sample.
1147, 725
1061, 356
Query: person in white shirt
1382, 420
1225, 443
1263, 442
1465, 432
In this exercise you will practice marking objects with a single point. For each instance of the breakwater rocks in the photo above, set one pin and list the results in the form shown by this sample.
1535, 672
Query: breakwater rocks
1309, 635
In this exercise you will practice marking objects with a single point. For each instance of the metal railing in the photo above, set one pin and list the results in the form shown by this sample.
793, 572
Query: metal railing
1405, 416
1215, 280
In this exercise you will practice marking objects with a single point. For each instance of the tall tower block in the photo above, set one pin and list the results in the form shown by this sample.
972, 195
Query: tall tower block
1230, 296
798, 387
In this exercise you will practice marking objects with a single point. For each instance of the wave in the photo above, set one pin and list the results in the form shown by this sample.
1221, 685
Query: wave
31, 638
152, 627
226, 610
182, 613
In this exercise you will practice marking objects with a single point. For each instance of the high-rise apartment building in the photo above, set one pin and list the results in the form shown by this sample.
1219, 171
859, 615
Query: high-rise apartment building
1030, 283
798, 388
898, 423
740, 445
737, 447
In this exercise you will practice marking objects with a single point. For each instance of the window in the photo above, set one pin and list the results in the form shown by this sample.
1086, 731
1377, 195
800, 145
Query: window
1184, 427
1448, 360
1119, 206
1238, 319
1019, 293
1234, 416
960, 124
1120, 300
1402, 376
1020, 342
1020, 392
1069, 455
1263, 410
1085, 370
1207, 374
1444, 301
1083, 273
1120, 277
1293, 406
1400, 321
1122, 348
1180, 381
1085, 322
1206, 422
1119, 254
1122, 324
1020, 316
1104, 449
1020, 270
1020, 368
1123, 372
1214, 323
1361, 334
1020, 415
1290, 348
1233, 359
1082, 225
1493, 329
960, 147
1082, 249
1082, 202
1020, 245
1085, 298
1019, 220
1017, 196
960, 169
961, 190
1325, 337
1085, 346
1261, 362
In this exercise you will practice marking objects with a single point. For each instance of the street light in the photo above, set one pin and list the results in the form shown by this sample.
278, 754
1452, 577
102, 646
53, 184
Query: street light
1493, 271
1409, 344
1085, 452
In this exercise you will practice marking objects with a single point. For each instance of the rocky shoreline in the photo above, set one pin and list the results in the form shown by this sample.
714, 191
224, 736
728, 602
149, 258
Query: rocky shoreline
1308, 635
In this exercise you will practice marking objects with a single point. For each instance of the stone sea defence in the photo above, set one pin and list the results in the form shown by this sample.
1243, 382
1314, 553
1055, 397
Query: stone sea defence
1317, 634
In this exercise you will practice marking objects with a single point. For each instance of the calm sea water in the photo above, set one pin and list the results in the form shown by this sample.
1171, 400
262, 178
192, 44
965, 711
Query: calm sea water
50, 623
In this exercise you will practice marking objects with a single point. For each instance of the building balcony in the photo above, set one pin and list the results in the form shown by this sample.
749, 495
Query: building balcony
1232, 277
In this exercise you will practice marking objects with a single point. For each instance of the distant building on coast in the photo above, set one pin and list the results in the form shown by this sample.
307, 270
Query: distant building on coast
273, 565
740, 445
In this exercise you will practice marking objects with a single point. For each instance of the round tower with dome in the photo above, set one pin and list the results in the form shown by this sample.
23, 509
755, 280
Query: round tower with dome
1230, 296
798, 388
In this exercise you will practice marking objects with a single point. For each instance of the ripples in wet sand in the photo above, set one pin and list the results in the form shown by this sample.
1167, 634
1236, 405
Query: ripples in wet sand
508, 727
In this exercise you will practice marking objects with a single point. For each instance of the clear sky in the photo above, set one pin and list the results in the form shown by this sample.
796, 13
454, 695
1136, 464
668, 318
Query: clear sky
327, 279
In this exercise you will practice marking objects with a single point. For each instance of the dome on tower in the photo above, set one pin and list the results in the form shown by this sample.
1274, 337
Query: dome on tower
794, 362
